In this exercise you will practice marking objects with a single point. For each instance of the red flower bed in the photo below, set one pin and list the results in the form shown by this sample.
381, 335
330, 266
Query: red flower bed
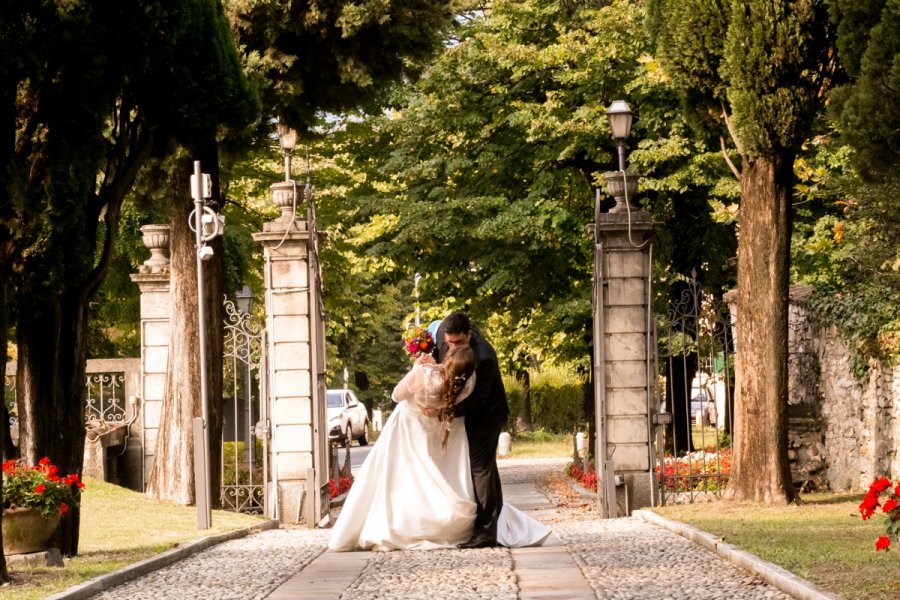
699, 471
342, 485
586, 479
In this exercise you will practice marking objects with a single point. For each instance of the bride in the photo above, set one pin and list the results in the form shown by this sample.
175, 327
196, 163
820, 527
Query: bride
414, 490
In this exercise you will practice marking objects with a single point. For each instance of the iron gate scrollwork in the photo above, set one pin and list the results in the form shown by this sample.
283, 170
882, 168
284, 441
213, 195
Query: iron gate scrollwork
695, 352
245, 459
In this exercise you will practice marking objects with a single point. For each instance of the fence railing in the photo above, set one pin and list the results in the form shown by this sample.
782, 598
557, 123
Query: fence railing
109, 384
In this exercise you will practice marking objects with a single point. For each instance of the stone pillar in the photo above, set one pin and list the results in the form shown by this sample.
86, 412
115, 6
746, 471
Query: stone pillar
153, 281
624, 381
299, 466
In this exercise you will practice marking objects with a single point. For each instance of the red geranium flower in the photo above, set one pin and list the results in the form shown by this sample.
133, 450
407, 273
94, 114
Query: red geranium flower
882, 543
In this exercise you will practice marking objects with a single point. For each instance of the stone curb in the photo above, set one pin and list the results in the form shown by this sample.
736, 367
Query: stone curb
772, 574
148, 565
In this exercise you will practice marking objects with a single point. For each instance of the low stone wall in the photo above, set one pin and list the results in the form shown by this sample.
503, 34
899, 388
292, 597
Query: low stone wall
843, 432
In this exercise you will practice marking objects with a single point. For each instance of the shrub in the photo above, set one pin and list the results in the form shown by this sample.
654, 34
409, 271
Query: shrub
557, 399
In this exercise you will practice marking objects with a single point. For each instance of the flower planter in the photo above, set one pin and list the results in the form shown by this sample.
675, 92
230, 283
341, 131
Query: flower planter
25, 530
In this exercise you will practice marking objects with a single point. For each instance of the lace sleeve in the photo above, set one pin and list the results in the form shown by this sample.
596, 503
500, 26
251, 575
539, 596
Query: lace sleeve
406, 389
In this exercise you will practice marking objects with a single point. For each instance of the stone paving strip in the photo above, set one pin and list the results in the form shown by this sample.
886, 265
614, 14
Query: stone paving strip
614, 559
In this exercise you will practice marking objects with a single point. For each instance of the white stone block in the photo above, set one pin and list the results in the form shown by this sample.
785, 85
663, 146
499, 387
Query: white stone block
295, 302
626, 319
293, 438
631, 374
626, 264
155, 305
292, 383
151, 411
292, 411
289, 328
626, 401
627, 430
628, 291
289, 274
291, 355
154, 386
626, 346
156, 333
155, 359
292, 466
150, 435
631, 457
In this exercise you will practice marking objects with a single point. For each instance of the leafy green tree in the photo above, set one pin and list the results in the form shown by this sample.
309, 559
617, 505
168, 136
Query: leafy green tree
483, 176
83, 116
755, 73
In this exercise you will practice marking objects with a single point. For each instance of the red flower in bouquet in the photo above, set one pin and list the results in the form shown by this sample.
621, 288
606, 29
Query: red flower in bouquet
418, 342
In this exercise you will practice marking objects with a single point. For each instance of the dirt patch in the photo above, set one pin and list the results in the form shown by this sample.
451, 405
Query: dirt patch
571, 504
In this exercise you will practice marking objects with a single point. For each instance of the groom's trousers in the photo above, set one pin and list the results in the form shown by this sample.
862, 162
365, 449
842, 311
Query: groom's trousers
485, 478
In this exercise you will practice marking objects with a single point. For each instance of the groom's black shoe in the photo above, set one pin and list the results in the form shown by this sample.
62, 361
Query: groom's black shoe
479, 541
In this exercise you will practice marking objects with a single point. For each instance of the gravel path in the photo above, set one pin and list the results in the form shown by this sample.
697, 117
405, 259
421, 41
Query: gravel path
620, 559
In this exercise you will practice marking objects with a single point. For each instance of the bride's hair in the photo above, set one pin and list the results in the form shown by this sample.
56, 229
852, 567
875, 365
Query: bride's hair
458, 365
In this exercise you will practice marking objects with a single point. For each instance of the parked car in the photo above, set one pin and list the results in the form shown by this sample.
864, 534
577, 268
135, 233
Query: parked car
699, 409
348, 418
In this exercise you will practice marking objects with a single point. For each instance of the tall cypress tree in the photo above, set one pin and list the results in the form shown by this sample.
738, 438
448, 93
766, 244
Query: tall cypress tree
754, 72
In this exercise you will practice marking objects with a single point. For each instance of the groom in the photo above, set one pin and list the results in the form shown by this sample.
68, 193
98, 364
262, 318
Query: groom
485, 410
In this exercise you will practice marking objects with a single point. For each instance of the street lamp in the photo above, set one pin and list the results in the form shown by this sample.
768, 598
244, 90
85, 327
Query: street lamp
287, 139
244, 299
621, 184
206, 225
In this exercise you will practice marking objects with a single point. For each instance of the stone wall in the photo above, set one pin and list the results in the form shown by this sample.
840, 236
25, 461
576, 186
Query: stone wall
842, 430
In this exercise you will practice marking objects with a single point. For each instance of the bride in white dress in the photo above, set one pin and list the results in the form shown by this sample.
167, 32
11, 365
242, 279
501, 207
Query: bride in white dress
414, 490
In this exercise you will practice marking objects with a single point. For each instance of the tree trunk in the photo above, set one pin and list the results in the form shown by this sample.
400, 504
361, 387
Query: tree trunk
4, 430
172, 473
523, 420
760, 470
50, 381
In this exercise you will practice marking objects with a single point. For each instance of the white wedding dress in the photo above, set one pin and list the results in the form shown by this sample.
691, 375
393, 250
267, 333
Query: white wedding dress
412, 494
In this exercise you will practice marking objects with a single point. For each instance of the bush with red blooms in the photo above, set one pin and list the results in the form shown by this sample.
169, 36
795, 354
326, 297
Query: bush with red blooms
890, 508
39, 487
341, 486
586, 478
698, 471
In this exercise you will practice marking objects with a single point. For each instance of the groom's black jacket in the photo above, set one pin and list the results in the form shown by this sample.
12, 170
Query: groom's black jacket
486, 406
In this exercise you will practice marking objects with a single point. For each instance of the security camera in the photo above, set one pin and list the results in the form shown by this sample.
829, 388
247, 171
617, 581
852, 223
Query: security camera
206, 253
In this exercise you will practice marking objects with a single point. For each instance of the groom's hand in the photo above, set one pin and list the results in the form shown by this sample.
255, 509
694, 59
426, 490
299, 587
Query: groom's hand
430, 412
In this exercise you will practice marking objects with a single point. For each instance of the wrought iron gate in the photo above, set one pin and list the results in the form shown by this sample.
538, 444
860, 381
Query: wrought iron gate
695, 359
245, 439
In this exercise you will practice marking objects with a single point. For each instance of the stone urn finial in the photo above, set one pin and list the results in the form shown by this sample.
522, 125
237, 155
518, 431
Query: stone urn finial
621, 187
156, 238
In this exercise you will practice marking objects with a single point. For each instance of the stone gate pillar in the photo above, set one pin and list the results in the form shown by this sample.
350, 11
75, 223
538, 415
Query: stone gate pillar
153, 281
297, 428
624, 350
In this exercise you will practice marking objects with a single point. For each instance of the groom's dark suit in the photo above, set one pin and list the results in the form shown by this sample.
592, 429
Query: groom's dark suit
486, 411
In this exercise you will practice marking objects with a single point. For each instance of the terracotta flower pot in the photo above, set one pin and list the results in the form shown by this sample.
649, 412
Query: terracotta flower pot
25, 530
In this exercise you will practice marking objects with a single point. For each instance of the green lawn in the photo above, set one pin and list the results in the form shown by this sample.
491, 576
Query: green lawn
822, 540
118, 527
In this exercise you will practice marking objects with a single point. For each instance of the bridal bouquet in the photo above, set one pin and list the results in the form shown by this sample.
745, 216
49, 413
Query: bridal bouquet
418, 342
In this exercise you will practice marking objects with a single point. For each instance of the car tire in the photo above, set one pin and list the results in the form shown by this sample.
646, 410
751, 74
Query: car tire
364, 436
347, 437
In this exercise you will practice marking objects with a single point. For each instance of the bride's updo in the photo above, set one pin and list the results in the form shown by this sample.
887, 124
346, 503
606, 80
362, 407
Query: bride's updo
457, 366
